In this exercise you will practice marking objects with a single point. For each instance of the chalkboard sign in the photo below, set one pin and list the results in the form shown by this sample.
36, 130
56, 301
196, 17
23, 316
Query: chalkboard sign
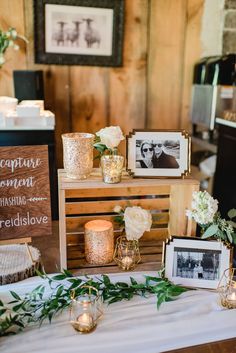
24, 192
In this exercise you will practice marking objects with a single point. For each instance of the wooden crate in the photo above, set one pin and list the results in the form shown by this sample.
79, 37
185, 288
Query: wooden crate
81, 201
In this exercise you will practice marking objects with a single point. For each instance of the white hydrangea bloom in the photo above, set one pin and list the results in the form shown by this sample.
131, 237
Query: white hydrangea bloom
204, 208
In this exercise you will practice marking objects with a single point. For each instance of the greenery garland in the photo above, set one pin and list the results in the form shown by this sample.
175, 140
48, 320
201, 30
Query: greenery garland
36, 306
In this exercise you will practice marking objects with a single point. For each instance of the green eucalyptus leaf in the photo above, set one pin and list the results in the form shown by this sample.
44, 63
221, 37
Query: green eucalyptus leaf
229, 235
210, 231
232, 213
15, 295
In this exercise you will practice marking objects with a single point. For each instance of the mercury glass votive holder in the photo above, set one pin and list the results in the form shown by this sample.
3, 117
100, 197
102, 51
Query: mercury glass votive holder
85, 309
99, 242
78, 154
112, 166
126, 254
227, 289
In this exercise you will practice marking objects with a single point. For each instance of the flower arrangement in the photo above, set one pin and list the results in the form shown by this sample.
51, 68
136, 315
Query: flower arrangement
135, 220
108, 139
205, 213
7, 39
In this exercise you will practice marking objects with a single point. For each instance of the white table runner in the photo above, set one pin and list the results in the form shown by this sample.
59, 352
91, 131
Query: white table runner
131, 327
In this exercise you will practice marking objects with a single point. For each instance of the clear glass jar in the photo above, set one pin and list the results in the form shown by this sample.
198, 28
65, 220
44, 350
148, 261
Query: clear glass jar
112, 165
126, 253
85, 310
227, 289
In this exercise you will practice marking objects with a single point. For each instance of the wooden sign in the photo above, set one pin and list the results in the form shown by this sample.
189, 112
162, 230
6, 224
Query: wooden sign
25, 208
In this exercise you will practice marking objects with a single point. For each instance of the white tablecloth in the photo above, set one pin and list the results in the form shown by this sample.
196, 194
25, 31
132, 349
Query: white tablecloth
134, 326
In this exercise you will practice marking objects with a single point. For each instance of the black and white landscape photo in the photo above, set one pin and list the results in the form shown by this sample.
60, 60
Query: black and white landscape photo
196, 264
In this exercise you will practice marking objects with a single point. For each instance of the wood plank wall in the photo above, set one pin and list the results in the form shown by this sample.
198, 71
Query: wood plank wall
151, 89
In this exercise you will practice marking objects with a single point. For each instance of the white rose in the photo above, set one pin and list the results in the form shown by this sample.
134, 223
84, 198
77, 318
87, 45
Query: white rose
110, 136
117, 209
137, 221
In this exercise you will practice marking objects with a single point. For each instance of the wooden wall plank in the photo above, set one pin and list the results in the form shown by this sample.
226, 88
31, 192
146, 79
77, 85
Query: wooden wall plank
127, 99
192, 53
89, 95
165, 62
56, 84
151, 89
15, 60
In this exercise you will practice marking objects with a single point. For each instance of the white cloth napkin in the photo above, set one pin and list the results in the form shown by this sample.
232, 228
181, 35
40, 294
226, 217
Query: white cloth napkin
134, 326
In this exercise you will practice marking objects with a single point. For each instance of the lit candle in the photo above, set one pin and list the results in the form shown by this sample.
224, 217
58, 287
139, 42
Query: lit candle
231, 299
99, 242
127, 261
84, 323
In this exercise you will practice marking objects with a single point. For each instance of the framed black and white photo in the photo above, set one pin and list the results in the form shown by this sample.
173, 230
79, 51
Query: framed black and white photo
79, 32
194, 262
158, 153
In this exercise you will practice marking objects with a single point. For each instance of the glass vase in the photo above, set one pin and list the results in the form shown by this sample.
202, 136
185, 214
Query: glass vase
126, 254
112, 165
78, 154
227, 289
85, 309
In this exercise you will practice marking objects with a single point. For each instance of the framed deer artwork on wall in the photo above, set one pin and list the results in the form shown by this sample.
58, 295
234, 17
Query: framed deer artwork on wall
79, 32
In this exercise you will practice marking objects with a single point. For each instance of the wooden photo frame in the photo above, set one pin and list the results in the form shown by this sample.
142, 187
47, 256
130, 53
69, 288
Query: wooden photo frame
196, 262
158, 153
79, 32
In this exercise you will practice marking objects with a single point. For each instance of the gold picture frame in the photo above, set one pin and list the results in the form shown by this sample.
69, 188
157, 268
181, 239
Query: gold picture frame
158, 153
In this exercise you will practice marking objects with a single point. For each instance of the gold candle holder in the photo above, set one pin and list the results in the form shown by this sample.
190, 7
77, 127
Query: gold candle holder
99, 242
126, 254
112, 168
78, 154
85, 310
227, 289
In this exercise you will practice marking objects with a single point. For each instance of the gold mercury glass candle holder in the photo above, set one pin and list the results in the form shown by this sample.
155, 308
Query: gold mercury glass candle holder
112, 166
227, 289
78, 154
126, 253
85, 310
99, 242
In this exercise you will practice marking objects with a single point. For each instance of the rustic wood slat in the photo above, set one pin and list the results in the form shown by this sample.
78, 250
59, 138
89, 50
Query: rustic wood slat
150, 266
94, 207
154, 234
77, 252
74, 224
82, 263
118, 192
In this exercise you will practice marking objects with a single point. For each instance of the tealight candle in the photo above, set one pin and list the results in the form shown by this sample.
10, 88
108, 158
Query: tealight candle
126, 262
231, 298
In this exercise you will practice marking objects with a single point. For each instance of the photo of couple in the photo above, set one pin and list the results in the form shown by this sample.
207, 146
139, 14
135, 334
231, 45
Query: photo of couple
157, 154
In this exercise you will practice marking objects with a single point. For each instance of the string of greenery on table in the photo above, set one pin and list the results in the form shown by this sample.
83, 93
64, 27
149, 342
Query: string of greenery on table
37, 306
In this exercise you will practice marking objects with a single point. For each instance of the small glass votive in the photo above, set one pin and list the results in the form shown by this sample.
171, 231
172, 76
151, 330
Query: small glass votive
85, 310
78, 154
99, 242
112, 166
126, 253
227, 289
